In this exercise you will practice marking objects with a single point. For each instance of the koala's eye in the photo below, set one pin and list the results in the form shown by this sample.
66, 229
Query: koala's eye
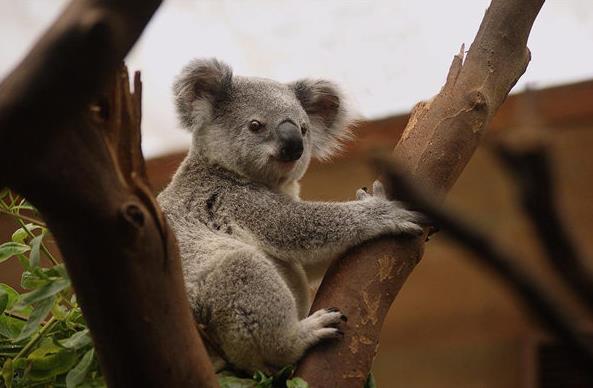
255, 125
304, 129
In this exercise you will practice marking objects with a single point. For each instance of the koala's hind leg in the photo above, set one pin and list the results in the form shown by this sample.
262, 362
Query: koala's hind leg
253, 314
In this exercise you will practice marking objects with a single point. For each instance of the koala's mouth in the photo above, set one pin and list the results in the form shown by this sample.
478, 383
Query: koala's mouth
285, 165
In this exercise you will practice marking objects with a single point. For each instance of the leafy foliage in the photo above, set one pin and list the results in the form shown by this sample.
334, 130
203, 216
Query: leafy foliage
44, 341
281, 379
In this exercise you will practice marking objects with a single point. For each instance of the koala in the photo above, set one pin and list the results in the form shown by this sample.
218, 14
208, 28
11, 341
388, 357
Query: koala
247, 242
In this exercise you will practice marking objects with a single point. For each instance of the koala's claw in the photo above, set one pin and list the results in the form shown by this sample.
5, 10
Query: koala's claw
411, 228
378, 192
322, 323
343, 317
362, 194
329, 332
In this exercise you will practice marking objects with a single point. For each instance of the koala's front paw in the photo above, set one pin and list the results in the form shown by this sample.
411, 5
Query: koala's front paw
409, 222
404, 221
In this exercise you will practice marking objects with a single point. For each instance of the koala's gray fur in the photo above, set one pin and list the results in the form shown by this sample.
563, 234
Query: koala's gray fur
246, 240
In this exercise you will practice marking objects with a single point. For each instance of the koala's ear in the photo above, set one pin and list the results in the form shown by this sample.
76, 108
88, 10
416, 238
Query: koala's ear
330, 118
201, 84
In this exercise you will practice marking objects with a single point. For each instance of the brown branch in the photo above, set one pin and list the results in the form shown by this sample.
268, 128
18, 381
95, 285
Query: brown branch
83, 169
528, 162
439, 140
536, 300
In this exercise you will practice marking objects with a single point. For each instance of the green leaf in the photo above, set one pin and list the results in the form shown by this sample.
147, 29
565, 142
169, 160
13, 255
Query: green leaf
8, 347
10, 327
7, 373
18, 208
24, 204
262, 380
39, 313
58, 311
235, 382
49, 361
3, 300
370, 383
21, 234
9, 249
297, 382
34, 256
24, 262
79, 372
19, 363
4, 192
58, 271
52, 273
96, 382
280, 377
11, 294
43, 292
30, 280
77, 341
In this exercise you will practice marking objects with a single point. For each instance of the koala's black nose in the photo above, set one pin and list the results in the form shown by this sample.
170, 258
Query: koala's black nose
291, 141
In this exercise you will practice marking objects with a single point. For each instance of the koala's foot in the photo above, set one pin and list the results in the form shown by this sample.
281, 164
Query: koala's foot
321, 325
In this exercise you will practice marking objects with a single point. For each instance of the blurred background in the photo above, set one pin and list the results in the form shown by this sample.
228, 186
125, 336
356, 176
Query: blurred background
452, 325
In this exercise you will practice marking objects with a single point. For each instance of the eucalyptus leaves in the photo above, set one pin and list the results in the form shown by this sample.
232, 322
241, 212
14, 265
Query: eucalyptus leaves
44, 340
261, 380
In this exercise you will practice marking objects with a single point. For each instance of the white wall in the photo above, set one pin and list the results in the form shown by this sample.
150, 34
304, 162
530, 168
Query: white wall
388, 54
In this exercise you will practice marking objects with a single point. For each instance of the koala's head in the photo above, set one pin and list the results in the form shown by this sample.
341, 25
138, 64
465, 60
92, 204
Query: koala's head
258, 128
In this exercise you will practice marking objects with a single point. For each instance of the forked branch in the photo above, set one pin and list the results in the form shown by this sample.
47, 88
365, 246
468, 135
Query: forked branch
439, 140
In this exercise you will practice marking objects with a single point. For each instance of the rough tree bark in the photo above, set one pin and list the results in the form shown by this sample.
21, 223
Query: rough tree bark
83, 169
438, 142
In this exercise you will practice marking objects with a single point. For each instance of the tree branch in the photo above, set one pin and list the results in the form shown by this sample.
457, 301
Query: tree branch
84, 171
528, 162
439, 140
534, 296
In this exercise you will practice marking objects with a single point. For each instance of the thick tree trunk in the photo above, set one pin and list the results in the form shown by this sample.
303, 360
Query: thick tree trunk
83, 169
438, 142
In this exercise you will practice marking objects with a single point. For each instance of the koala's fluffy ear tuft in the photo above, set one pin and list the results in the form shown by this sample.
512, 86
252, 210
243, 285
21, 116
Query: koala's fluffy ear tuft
327, 109
202, 83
